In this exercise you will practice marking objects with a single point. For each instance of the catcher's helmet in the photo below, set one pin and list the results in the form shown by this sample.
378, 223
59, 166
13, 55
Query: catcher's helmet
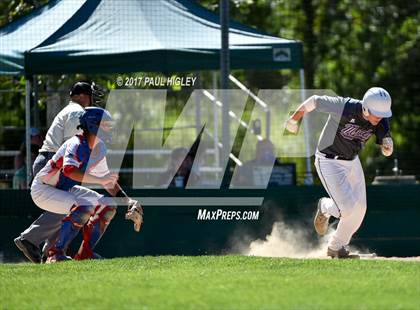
377, 101
88, 88
90, 121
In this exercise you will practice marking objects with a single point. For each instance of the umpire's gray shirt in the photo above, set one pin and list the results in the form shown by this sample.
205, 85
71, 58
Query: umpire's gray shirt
63, 127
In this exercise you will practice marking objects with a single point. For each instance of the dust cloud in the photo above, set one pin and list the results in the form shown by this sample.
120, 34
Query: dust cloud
292, 241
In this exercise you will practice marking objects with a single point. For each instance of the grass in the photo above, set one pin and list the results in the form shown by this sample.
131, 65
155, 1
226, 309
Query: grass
211, 282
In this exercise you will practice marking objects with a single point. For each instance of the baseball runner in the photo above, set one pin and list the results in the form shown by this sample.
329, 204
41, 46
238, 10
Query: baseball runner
64, 126
350, 124
57, 187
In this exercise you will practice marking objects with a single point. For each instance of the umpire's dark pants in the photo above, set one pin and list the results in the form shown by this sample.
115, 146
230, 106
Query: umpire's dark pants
46, 227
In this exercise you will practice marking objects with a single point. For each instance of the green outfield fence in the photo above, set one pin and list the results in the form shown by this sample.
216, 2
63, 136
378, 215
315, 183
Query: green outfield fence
391, 226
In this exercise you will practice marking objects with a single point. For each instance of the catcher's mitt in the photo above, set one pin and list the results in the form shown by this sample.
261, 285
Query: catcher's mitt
135, 214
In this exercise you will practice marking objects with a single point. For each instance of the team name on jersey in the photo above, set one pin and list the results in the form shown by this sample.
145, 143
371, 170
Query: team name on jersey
352, 131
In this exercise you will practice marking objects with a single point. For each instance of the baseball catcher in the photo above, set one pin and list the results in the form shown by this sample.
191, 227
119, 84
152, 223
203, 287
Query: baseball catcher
57, 188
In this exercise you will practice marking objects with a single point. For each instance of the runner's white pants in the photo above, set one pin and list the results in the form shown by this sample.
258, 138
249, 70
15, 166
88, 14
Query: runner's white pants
344, 182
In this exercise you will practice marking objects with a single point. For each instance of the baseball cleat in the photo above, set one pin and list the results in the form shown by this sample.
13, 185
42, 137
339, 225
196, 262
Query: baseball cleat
320, 221
367, 255
94, 256
55, 258
30, 250
341, 253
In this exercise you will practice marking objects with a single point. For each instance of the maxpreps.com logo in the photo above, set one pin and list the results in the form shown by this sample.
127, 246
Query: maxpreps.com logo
219, 214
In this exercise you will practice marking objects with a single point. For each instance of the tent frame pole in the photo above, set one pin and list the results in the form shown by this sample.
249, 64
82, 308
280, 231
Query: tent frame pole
224, 76
27, 129
198, 103
35, 114
309, 180
216, 125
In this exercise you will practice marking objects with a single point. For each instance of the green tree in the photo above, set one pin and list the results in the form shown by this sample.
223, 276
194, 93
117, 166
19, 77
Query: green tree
350, 46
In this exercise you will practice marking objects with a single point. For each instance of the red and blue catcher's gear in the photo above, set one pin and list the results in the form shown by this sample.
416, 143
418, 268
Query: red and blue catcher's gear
94, 217
91, 119
94, 230
74, 153
94, 221
72, 223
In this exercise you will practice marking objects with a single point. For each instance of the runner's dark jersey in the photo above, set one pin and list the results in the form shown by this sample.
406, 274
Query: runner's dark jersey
346, 131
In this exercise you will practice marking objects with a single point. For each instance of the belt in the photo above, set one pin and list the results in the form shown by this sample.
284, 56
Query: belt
331, 156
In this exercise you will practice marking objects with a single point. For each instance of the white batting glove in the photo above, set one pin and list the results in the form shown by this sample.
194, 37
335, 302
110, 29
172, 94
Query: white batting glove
292, 126
387, 146
135, 214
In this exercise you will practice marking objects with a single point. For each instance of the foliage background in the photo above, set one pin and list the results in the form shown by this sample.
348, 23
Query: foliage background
349, 46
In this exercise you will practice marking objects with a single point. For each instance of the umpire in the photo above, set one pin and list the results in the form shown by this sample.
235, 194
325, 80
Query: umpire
64, 126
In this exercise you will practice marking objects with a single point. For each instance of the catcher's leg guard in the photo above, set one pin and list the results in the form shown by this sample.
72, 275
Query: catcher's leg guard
94, 229
72, 223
